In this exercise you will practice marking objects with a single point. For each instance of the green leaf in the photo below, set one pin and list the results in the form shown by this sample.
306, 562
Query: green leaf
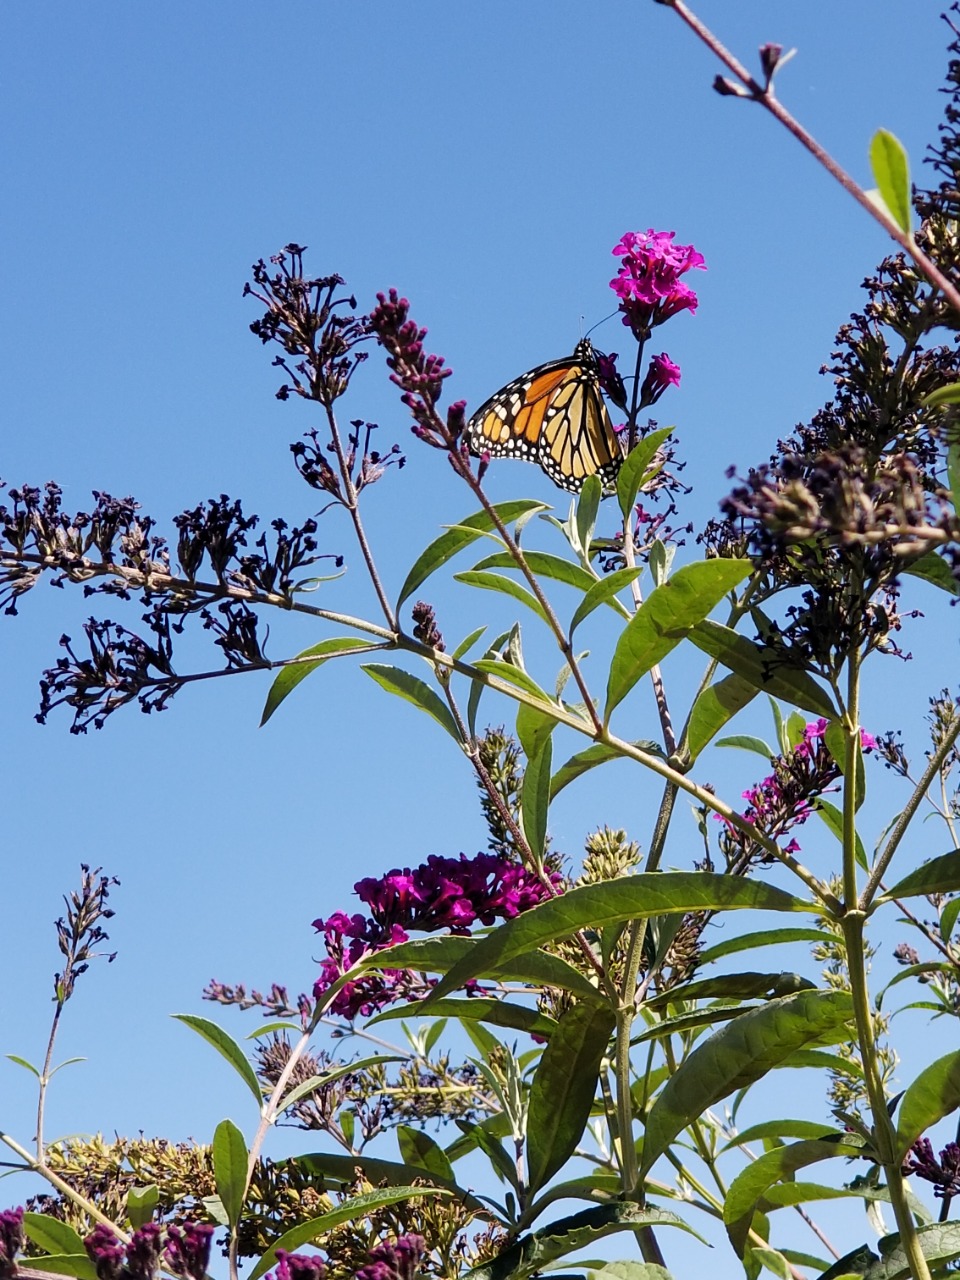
836, 742
595, 905
934, 1094
761, 668
684, 1023
292, 673
605, 592
631, 1271
635, 466
775, 1166
939, 875
227, 1047
230, 1161
66, 1264
948, 918
563, 1089
734, 986
348, 1211
782, 1129
939, 1243
935, 570
891, 173
141, 1202
831, 817
52, 1235
535, 799
740, 1053
422, 1152
331, 1075
716, 705
949, 394
746, 742
22, 1062
467, 643
588, 506
534, 730
668, 614
773, 1260
583, 761
953, 473
440, 954
453, 540
533, 1253
505, 586
514, 675
544, 565
497, 1012
404, 685
764, 938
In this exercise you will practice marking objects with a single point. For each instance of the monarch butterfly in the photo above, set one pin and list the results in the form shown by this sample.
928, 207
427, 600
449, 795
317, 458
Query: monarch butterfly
554, 415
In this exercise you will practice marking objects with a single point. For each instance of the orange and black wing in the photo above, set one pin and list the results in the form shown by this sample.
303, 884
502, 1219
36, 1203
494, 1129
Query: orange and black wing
554, 415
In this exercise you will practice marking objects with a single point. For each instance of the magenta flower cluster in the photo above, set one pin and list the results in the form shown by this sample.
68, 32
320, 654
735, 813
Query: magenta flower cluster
788, 796
648, 282
442, 893
11, 1241
186, 1251
397, 1261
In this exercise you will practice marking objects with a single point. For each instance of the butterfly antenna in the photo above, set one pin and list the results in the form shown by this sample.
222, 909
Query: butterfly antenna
597, 325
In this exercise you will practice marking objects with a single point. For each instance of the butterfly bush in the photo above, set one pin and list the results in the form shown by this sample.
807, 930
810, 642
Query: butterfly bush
11, 1240
442, 893
648, 282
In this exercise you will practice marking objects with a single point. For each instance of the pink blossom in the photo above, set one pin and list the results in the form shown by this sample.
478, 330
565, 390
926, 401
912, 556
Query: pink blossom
662, 373
648, 281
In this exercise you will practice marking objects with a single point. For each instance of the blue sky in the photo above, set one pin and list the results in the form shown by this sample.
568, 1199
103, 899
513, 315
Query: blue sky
484, 160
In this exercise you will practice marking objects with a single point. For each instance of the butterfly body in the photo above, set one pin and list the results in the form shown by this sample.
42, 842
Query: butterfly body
554, 415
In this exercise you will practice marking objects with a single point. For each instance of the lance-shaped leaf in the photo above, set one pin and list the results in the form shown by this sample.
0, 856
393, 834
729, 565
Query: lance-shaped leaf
532, 1254
420, 1150
453, 540
595, 905
935, 570
564, 1088
290, 675
635, 467
588, 507
716, 705
939, 1243
349, 1211
939, 875
747, 742
934, 1094
440, 954
775, 1166
230, 1168
604, 592
669, 613
496, 1012
404, 685
781, 1129
762, 669
763, 938
227, 1047
63, 1264
740, 1053
535, 799
734, 986
544, 565
832, 818
52, 1235
588, 759
505, 586
534, 729
891, 172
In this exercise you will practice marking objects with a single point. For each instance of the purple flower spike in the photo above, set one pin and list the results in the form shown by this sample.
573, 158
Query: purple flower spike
11, 1241
187, 1251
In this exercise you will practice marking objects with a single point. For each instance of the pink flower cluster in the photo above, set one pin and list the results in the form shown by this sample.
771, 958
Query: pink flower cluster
788, 796
648, 282
442, 893
397, 1261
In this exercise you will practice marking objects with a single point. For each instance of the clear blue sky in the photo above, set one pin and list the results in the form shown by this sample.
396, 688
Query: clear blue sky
484, 159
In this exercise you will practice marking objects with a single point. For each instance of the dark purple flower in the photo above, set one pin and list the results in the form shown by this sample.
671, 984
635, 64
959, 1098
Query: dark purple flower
398, 1261
943, 1173
299, 1266
187, 1251
105, 1252
11, 1241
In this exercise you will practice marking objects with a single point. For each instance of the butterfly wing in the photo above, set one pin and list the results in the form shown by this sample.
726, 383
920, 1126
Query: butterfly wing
554, 415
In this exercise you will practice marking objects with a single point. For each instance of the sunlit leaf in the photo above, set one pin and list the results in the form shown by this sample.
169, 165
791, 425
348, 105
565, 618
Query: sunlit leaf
668, 614
412, 689
230, 1168
761, 668
588, 506
935, 570
544, 565
141, 1202
740, 1053
467, 643
563, 1089
635, 466
734, 986
421, 1151
453, 540
934, 1094
227, 1047
535, 799
832, 818
764, 938
505, 586
588, 759
497, 1012
52, 1235
891, 173
746, 742
939, 1243
605, 592
292, 673
939, 875
717, 704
